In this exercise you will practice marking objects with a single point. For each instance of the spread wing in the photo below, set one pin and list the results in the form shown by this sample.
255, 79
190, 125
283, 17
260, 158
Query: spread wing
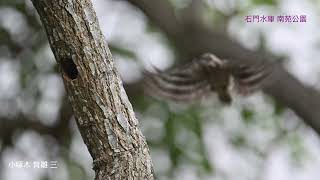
182, 84
250, 78
202, 76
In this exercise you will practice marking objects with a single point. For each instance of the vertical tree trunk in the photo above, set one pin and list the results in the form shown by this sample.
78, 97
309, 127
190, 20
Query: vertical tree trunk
103, 112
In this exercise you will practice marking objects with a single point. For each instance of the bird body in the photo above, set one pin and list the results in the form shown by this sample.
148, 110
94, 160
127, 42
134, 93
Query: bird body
204, 75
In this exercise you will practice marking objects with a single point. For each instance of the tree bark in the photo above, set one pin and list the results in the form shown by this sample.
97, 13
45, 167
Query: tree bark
102, 110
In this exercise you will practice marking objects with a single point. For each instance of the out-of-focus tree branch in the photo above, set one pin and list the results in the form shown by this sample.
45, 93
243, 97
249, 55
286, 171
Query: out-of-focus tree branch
60, 130
194, 38
158, 11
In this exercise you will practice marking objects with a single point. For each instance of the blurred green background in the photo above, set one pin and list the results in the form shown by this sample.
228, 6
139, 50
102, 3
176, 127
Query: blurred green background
256, 138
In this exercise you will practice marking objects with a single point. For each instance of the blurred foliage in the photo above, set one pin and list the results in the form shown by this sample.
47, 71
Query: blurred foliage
181, 149
266, 2
183, 130
247, 115
122, 51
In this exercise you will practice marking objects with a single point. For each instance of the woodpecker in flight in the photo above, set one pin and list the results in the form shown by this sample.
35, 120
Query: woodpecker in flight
203, 76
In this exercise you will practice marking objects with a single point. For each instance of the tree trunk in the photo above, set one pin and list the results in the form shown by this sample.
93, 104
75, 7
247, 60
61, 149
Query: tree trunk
102, 110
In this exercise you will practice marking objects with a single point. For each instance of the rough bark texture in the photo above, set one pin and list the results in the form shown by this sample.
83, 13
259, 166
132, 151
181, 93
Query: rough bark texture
103, 112
192, 37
